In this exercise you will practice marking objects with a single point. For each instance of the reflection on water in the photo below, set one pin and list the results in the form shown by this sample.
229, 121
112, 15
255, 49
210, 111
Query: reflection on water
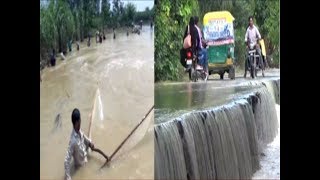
122, 70
172, 100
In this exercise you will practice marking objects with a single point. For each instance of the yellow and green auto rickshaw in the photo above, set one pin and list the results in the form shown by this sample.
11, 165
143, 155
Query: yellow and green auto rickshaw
219, 33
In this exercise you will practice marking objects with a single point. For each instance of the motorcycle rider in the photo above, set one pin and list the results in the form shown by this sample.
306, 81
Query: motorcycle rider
252, 36
201, 49
190, 29
196, 45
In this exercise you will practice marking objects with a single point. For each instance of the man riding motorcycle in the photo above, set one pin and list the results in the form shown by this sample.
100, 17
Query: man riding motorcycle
252, 37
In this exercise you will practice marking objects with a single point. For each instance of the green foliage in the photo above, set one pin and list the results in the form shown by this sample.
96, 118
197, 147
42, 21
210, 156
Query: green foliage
48, 31
272, 26
64, 23
106, 14
146, 15
240, 47
241, 11
170, 22
117, 12
65, 20
129, 13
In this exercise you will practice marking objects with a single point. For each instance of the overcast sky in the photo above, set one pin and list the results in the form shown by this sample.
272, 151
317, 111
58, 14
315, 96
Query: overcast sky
140, 4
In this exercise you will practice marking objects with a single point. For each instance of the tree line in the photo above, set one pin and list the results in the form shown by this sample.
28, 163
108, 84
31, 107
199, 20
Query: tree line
64, 20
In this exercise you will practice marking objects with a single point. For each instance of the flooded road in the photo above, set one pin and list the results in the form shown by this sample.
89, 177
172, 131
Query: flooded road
218, 129
117, 76
175, 99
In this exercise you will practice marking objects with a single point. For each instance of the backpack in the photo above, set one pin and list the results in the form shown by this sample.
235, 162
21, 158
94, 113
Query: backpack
187, 40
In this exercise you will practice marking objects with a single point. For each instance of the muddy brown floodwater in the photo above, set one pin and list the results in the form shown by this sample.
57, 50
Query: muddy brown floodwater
118, 76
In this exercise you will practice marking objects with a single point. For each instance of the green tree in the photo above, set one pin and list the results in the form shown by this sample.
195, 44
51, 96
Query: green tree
64, 23
271, 25
117, 12
129, 14
47, 28
48, 33
241, 11
75, 7
145, 15
64, 20
105, 10
130, 11
147, 10
89, 15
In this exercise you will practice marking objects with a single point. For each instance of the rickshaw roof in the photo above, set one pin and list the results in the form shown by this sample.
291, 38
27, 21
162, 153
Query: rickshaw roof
218, 15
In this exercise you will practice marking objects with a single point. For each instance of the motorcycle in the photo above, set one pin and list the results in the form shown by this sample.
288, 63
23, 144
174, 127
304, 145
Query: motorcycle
194, 69
253, 61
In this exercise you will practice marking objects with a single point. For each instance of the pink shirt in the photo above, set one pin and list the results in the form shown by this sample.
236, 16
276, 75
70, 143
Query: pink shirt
200, 36
253, 34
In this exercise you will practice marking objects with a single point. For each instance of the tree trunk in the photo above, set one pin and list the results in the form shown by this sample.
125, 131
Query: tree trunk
60, 41
81, 33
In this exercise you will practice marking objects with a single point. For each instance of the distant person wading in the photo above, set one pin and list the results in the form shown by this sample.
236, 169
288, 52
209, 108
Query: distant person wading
53, 58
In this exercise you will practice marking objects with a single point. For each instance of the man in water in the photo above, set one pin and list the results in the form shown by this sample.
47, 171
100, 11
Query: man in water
89, 39
70, 45
78, 145
97, 37
100, 37
114, 33
53, 58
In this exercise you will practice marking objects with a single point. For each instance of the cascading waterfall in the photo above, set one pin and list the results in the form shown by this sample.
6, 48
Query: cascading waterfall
169, 152
221, 143
274, 89
251, 134
265, 116
273, 86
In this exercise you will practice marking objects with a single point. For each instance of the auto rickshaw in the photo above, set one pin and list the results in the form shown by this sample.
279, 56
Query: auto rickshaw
219, 33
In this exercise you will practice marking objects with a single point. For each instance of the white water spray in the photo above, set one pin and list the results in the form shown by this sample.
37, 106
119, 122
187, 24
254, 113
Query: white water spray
100, 107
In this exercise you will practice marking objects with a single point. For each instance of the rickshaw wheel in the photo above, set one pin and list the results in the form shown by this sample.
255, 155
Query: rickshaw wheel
193, 75
262, 65
232, 74
252, 68
252, 73
221, 75
245, 68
